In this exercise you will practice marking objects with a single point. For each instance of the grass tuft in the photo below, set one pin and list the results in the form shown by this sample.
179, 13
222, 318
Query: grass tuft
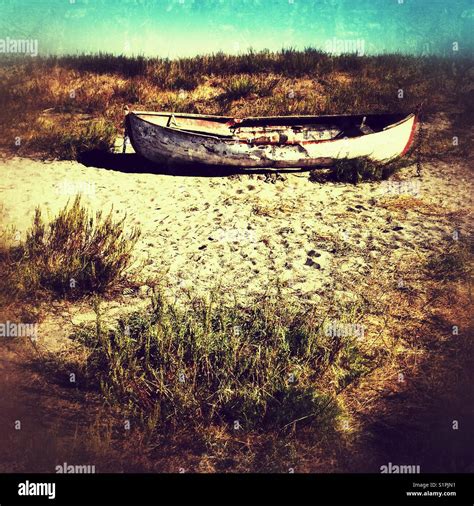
361, 169
453, 264
67, 143
238, 87
73, 255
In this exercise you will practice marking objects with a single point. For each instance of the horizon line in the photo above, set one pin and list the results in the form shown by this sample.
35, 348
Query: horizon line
249, 51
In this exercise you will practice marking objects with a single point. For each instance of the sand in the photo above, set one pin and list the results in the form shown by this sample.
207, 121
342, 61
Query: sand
245, 232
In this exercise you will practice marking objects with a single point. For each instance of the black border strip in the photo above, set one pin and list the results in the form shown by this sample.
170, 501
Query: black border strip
240, 489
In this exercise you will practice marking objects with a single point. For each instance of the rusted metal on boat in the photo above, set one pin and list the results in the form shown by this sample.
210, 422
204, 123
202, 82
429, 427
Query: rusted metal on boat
268, 142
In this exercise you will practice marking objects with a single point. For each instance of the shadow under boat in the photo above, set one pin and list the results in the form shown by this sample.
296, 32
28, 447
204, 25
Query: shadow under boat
132, 163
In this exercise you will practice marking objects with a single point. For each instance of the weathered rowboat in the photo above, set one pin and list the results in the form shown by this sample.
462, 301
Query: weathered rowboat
272, 142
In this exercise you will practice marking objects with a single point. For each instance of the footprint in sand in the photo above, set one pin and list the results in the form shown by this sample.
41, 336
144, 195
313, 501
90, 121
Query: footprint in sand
311, 263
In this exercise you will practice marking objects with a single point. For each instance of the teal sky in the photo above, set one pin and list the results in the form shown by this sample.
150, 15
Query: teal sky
173, 28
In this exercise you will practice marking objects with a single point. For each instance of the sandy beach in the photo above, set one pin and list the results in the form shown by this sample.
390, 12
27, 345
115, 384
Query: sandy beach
245, 232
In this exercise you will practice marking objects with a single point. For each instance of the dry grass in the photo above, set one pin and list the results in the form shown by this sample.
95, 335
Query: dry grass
405, 203
264, 83
73, 255
259, 208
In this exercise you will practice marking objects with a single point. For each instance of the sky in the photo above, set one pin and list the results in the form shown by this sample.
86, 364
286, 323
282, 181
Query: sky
177, 28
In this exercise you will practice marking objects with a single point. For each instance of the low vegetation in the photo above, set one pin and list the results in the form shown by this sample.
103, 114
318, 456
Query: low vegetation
61, 142
453, 264
363, 169
260, 385
242, 86
73, 255
48, 102
260, 366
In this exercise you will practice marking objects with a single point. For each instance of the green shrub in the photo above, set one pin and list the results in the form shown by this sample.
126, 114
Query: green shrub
238, 87
196, 362
73, 255
356, 170
67, 143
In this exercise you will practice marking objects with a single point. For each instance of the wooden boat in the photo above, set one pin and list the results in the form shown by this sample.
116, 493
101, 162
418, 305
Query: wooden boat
272, 142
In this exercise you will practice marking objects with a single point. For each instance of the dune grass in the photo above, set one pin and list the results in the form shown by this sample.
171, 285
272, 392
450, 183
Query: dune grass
243, 85
73, 255
64, 89
64, 143
265, 365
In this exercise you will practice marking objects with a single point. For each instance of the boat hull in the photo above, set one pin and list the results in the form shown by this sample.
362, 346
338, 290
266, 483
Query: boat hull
163, 144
